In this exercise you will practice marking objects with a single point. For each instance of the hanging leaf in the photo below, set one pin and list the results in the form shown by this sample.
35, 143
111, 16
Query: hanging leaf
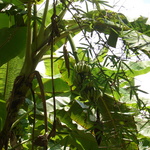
113, 37
66, 57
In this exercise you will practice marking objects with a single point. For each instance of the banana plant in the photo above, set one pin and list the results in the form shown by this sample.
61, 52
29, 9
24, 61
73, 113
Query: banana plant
76, 104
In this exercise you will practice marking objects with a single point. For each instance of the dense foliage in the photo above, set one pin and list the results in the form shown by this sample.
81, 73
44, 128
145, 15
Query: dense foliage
86, 99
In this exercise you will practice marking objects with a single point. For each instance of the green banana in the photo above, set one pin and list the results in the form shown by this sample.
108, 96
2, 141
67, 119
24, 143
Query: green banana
77, 80
94, 94
97, 94
84, 95
82, 67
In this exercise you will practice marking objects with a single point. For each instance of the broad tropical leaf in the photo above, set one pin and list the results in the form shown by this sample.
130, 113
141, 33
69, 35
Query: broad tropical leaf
12, 43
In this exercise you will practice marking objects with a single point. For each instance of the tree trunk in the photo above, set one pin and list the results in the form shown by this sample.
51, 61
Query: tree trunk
21, 86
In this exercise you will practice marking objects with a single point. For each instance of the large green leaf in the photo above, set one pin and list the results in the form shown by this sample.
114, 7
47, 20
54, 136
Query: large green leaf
86, 140
8, 73
117, 120
105, 20
138, 68
56, 66
5, 20
12, 43
61, 102
78, 114
64, 116
60, 86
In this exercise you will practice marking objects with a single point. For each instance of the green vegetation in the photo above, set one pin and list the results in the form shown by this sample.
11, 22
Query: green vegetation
87, 98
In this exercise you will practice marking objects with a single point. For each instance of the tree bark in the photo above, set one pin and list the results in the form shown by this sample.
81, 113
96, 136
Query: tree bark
14, 103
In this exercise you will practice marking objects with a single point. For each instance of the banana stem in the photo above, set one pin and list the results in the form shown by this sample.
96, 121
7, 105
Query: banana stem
41, 32
28, 47
26, 69
35, 26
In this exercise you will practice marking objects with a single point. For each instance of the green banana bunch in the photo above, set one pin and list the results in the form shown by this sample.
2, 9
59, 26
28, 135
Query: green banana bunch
82, 67
82, 71
84, 95
77, 80
85, 85
94, 94
91, 94
97, 94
